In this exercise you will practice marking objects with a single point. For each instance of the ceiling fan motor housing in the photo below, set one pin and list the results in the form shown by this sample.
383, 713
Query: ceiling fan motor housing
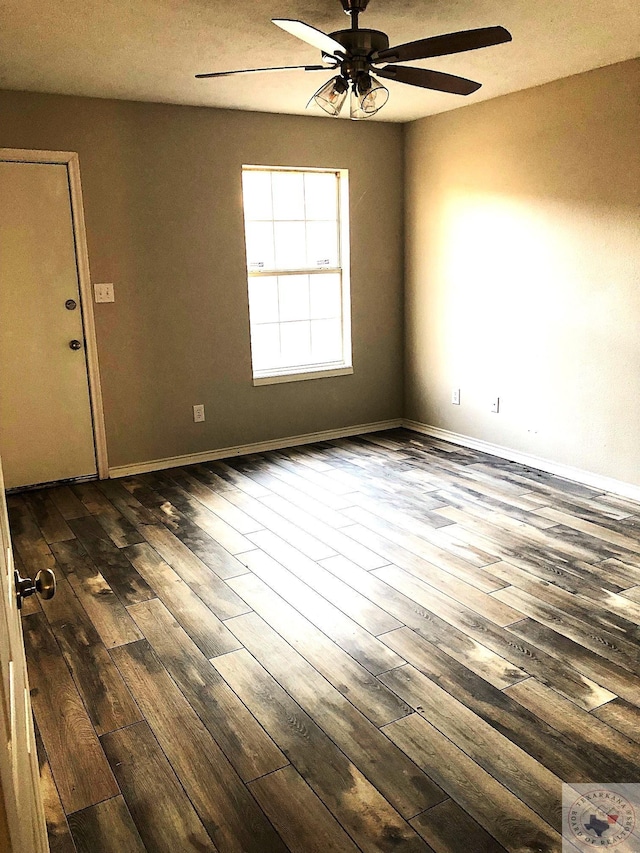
361, 43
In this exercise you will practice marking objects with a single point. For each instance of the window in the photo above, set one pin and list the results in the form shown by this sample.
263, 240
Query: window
296, 229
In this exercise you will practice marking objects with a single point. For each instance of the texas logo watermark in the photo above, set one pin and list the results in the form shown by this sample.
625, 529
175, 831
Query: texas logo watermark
601, 816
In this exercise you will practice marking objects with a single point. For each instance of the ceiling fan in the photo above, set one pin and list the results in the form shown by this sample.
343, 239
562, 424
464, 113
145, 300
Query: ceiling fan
356, 52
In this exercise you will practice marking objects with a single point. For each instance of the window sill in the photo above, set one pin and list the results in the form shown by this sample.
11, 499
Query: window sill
321, 373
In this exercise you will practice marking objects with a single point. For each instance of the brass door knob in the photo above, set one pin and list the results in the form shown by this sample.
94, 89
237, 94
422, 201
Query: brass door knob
75, 345
45, 585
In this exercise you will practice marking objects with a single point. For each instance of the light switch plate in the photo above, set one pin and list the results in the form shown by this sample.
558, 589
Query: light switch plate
104, 292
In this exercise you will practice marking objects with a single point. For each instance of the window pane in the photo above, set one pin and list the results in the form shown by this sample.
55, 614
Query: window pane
288, 195
321, 195
295, 343
290, 253
294, 297
325, 296
265, 346
326, 340
263, 299
322, 244
260, 245
256, 188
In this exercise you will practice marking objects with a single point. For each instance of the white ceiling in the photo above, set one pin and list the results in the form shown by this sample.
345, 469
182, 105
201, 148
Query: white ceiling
149, 50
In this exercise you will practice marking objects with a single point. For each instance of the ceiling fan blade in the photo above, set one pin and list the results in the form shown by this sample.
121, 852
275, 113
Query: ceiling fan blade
310, 34
444, 45
429, 79
277, 68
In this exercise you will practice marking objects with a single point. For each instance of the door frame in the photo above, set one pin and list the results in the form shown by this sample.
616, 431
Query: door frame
71, 160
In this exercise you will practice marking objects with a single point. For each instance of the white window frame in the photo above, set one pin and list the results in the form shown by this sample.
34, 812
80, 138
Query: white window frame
326, 369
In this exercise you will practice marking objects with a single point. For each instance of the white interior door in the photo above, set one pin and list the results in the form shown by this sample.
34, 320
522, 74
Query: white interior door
46, 429
22, 824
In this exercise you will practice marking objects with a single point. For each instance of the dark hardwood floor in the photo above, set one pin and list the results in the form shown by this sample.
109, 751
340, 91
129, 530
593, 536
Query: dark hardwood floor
386, 644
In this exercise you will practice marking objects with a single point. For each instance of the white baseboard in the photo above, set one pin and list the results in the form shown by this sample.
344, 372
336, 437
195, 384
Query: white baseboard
245, 449
578, 475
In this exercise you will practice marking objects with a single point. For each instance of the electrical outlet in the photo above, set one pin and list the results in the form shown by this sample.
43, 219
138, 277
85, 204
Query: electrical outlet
104, 292
455, 397
495, 405
198, 413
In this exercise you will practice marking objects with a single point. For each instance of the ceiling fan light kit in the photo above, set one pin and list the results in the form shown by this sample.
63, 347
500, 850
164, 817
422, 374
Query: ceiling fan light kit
356, 52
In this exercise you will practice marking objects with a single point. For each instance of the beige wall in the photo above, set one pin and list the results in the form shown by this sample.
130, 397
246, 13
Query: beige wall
162, 197
522, 271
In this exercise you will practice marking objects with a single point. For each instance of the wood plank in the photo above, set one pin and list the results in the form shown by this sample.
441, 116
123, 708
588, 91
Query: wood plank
618, 756
356, 803
222, 472
123, 579
336, 499
118, 528
206, 583
449, 829
614, 678
27, 539
47, 516
333, 537
356, 641
458, 628
309, 545
613, 647
491, 509
58, 833
79, 767
107, 613
406, 788
440, 603
621, 715
281, 489
126, 503
274, 552
161, 811
488, 802
305, 824
523, 775
188, 480
190, 542
229, 813
352, 679
628, 543
480, 659
245, 743
440, 562
177, 500
106, 828
285, 459
219, 484
69, 506
494, 706
514, 540
203, 626
597, 606
106, 698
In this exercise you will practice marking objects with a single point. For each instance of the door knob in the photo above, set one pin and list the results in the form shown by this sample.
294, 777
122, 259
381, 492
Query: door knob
45, 585
75, 345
